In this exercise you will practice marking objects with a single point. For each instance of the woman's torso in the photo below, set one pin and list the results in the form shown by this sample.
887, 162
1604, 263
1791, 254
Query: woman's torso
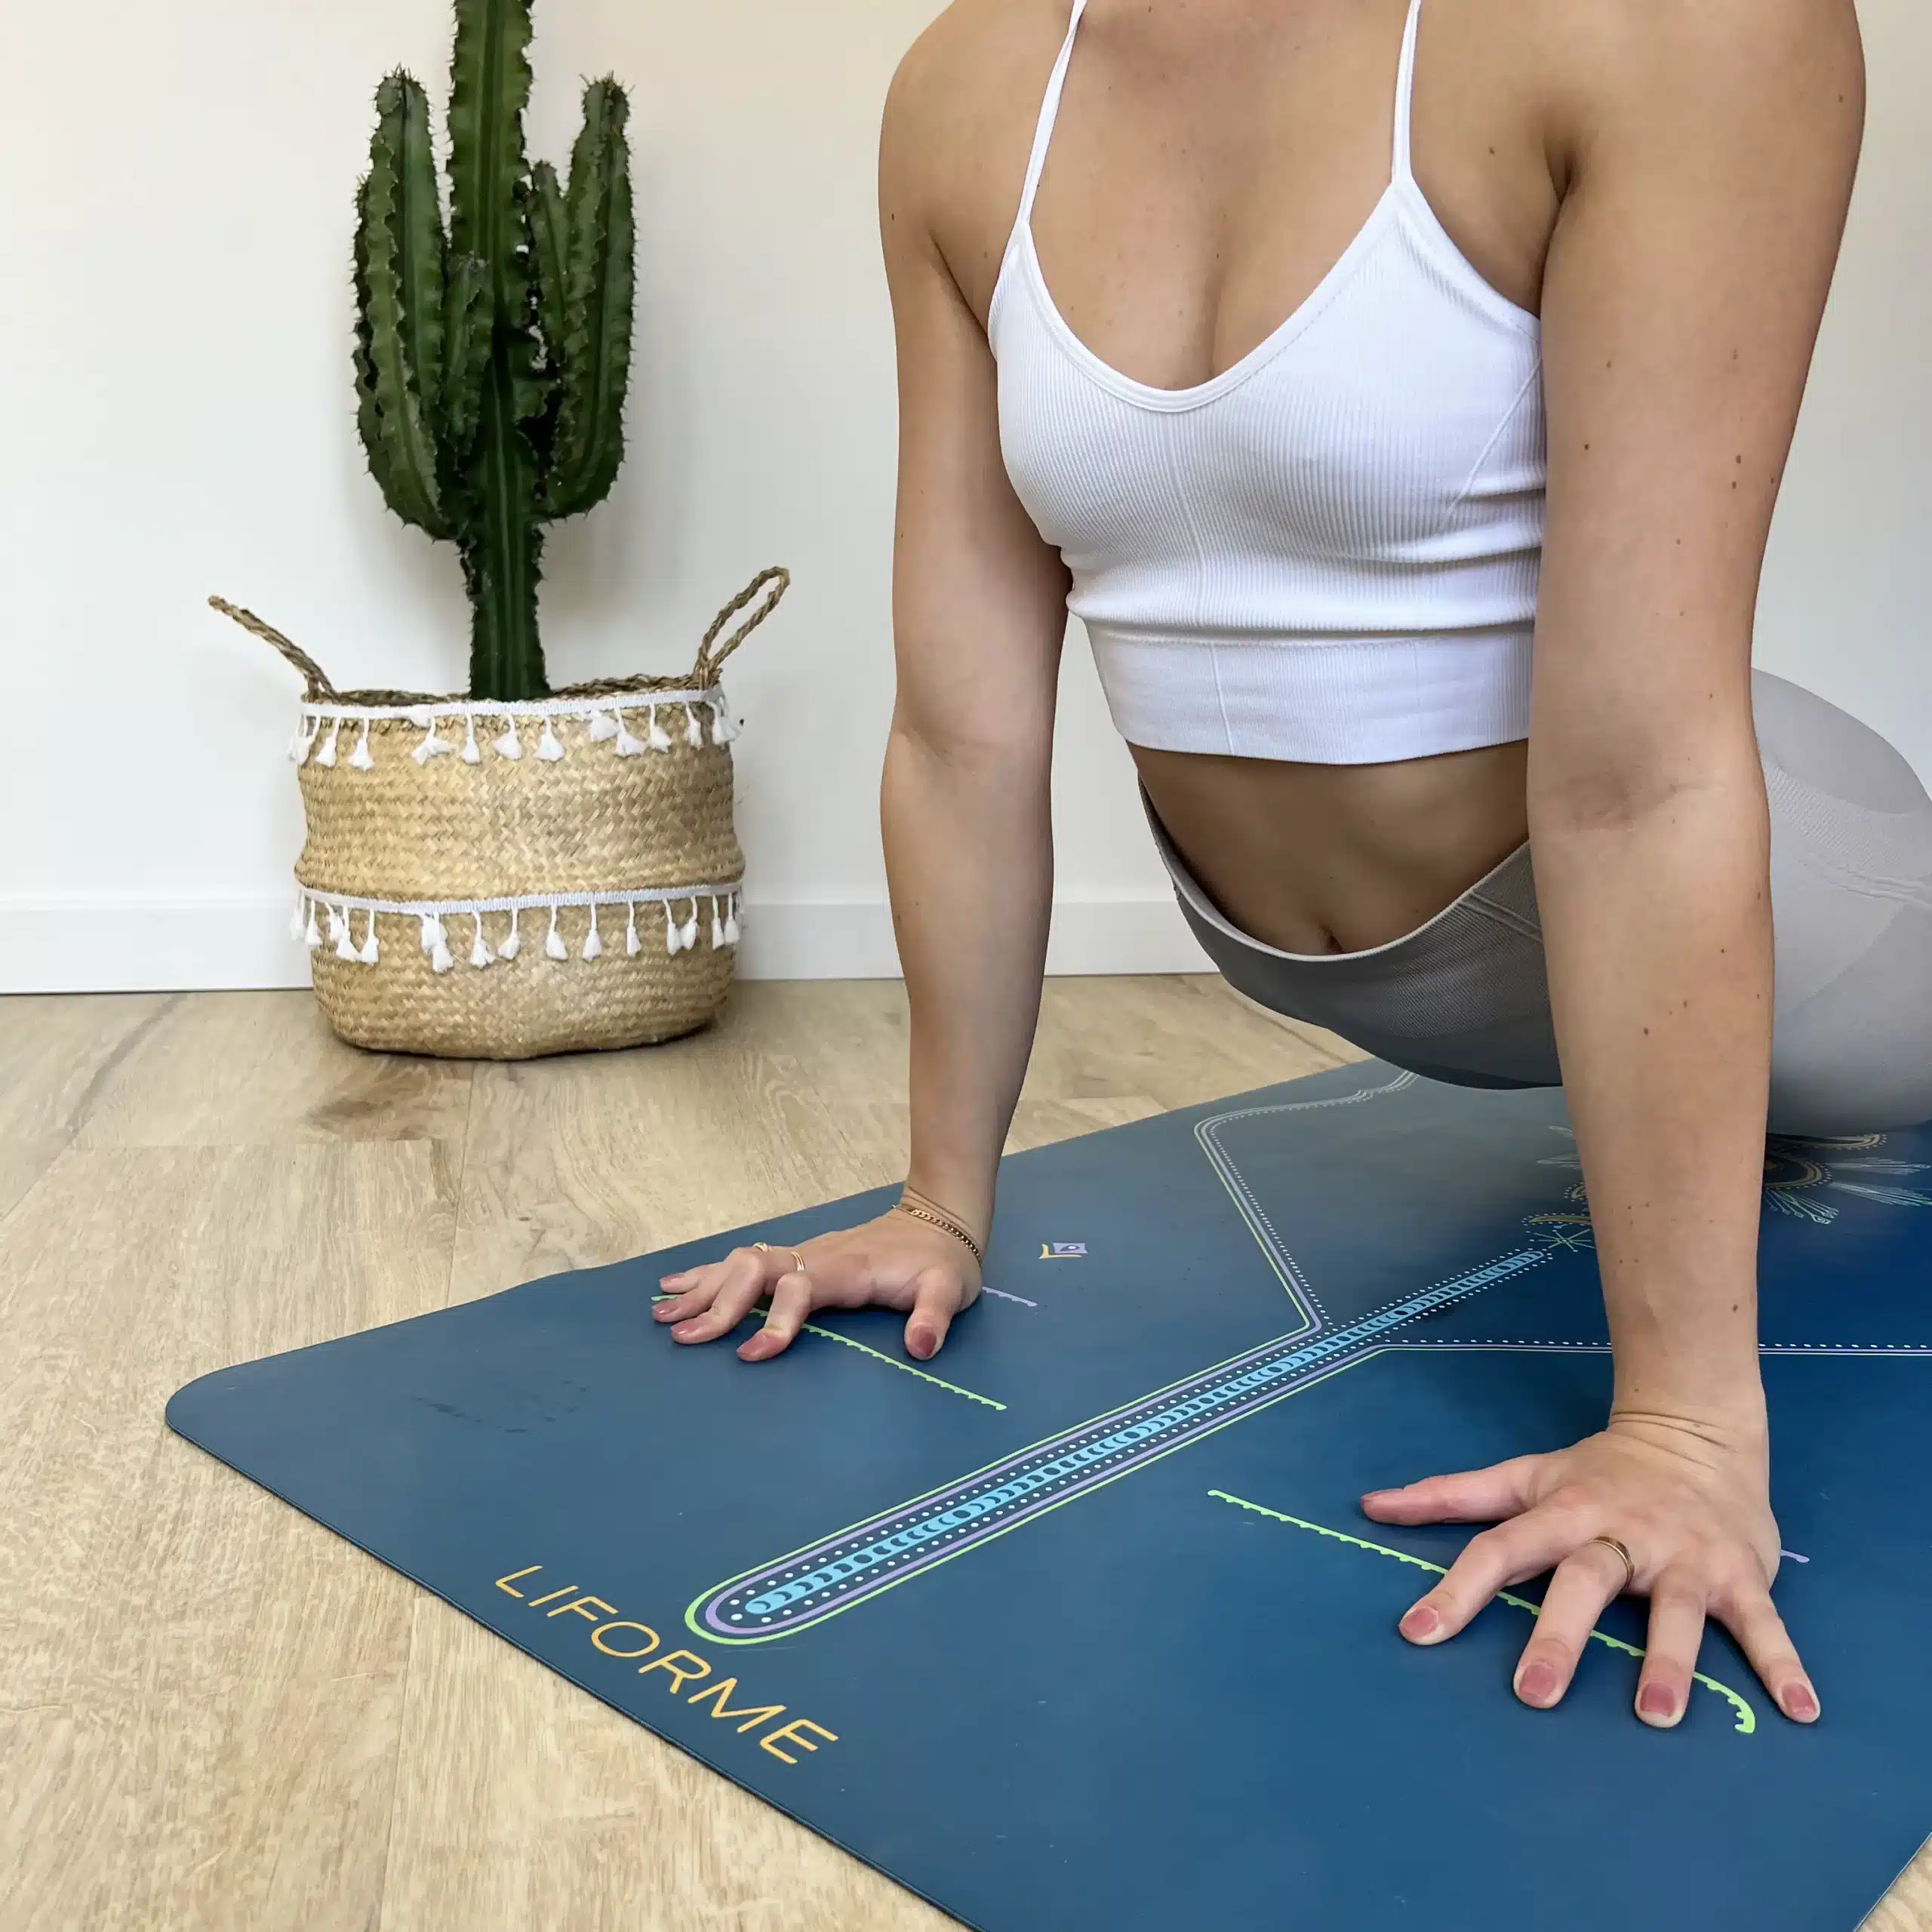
1208, 169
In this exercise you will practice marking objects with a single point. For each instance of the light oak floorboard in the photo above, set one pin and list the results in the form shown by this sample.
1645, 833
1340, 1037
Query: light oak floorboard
200, 1696
1907, 1907
262, 1070
57, 1053
214, 1714
22, 1163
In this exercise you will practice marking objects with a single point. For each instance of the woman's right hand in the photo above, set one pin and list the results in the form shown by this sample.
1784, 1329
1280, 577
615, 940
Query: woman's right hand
894, 1262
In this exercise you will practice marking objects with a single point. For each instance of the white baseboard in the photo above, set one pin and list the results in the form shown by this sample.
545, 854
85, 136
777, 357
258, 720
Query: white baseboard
149, 944
1145, 935
852, 938
142, 944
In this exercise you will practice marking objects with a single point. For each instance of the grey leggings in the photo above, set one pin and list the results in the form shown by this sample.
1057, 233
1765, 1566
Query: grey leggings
1464, 998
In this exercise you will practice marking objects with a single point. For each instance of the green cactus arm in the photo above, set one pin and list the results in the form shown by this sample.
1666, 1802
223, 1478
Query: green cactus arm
466, 359
601, 290
490, 188
402, 453
533, 379
489, 172
490, 221
368, 420
549, 236
403, 113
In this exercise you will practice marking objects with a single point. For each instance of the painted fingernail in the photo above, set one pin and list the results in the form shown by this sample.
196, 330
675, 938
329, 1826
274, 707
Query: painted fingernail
1535, 1683
1800, 1701
920, 1345
1656, 1700
1421, 1624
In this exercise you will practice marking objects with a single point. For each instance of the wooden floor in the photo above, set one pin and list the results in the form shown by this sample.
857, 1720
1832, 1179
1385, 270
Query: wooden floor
214, 1714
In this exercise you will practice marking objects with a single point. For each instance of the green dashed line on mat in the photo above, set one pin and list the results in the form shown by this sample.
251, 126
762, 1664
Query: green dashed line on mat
904, 1367
1747, 1718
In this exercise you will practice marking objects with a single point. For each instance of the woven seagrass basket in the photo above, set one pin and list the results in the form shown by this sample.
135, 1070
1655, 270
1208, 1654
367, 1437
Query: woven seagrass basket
493, 881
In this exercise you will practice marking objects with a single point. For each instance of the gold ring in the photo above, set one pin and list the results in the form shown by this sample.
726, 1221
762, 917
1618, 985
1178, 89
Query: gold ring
1629, 1563
798, 1260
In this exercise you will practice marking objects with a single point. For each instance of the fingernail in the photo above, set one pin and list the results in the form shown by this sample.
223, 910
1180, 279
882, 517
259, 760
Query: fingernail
1800, 1701
1421, 1624
1535, 1683
684, 1328
920, 1345
1656, 1700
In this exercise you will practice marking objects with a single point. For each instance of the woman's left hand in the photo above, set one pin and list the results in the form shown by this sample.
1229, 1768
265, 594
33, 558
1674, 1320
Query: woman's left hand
1692, 1507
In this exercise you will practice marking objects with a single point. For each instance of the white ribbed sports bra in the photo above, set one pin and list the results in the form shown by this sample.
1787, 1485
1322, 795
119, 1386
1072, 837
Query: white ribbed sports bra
1329, 552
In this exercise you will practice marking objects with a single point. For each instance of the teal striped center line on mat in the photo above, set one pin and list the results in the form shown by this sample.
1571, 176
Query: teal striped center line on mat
830, 1576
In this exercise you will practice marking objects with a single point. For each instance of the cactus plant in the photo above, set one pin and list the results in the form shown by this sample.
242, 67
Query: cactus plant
491, 361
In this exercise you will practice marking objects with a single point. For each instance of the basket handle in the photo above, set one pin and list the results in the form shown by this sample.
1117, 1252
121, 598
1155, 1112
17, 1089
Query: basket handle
315, 679
774, 583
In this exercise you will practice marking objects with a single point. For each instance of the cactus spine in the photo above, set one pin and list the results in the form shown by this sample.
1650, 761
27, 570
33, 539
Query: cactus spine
491, 362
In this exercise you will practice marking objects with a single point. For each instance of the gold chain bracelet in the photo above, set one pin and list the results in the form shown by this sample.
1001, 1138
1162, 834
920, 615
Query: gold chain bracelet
920, 1209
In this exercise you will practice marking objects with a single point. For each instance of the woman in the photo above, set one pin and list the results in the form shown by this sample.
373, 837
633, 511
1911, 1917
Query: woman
1319, 560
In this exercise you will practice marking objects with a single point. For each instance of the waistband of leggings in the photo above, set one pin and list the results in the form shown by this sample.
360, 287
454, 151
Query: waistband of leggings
1194, 896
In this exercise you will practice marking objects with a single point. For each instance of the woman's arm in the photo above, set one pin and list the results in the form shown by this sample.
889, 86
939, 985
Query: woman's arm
1705, 154
978, 616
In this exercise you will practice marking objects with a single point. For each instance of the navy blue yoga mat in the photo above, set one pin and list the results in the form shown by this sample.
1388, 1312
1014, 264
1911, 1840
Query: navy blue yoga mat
1079, 1626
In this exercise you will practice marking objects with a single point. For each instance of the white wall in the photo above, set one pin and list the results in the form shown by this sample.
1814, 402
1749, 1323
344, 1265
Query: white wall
177, 421
1846, 606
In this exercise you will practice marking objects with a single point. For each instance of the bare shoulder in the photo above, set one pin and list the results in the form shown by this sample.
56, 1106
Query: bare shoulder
958, 124
1708, 148
1705, 71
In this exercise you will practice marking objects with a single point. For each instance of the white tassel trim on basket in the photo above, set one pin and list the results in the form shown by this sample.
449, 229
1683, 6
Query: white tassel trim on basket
605, 720
681, 935
322, 919
435, 942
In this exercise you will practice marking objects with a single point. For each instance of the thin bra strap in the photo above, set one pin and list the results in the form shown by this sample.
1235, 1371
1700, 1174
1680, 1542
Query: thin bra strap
1405, 88
1043, 134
